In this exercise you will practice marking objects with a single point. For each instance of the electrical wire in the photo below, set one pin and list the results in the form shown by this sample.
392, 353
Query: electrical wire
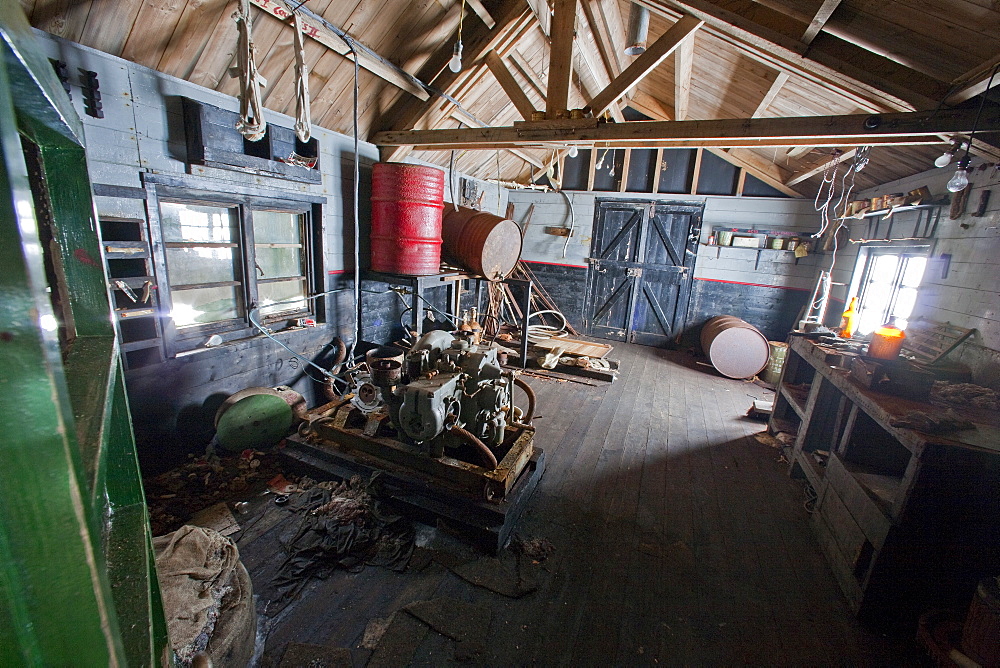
982, 103
451, 178
572, 221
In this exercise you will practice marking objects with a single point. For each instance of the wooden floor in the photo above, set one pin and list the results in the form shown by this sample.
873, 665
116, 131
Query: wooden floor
679, 540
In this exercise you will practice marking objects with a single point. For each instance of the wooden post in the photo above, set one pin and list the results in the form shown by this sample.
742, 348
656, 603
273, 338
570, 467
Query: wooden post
561, 58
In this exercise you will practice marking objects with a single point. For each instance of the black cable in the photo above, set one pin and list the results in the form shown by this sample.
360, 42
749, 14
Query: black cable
982, 103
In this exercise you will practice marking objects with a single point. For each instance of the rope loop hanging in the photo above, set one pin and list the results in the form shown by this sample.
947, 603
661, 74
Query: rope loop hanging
303, 117
251, 123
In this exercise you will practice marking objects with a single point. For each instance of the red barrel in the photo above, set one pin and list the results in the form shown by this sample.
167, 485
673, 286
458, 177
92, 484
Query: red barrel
406, 218
483, 243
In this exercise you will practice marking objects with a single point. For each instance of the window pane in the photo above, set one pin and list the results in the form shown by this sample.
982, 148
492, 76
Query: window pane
884, 269
281, 296
277, 227
914, 271
188, 266
190, 222
203, 305
279, 262
905, 300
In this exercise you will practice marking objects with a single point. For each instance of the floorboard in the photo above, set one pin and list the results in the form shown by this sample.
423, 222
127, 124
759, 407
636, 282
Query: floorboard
679, 540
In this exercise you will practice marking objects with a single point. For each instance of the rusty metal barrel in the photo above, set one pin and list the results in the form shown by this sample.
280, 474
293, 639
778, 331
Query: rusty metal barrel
734, 347
481, 242
406, 219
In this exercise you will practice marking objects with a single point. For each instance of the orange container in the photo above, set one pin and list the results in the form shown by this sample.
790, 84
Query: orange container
886, 343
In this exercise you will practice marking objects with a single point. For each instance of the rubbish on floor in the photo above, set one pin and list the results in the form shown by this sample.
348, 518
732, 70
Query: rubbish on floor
466, 623
218, 518
401, 638
576, 347
765, 438
343, 527
536, 549
374, 632
966, 394
932, 423
491, 574
760, 410
299, 654
279, 484
207, 596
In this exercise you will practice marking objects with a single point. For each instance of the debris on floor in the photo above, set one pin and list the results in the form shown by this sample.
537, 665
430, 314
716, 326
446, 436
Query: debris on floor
932, 423
466, 623
400, 640
780, 440
491, 574
299, 654
218, 518
342, 526
966, 394
760, 410
536, 549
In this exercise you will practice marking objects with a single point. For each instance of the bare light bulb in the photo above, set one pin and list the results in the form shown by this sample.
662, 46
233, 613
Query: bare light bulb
573, 151
455, 64
960, 181
945, 158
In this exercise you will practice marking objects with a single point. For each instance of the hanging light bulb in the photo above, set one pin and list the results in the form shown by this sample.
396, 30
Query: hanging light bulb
455, 64
945, 158
960, 180
573, 151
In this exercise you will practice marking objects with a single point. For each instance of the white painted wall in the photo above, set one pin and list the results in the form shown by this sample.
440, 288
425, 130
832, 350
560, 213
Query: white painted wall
970, 294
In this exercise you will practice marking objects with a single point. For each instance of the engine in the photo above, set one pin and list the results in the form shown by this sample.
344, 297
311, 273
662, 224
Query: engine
453, 387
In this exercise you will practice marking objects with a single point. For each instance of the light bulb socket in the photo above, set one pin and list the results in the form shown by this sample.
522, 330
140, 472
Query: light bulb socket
964, 163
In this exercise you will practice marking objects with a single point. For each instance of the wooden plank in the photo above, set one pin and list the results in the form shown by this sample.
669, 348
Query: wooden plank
820, 168
110, 35
645, 63
819, 20
481, 12
858, 129
763, 169
560, 57
696, 172
683, 65
772, 92
510, 86
607, 58
154, 25
741, 182
190, 38
974, 82
326, 34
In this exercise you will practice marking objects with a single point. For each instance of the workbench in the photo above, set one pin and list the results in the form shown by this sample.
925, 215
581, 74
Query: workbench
907, 520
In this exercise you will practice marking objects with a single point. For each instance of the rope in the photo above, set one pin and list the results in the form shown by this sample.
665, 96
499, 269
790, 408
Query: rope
251, 123
303, 117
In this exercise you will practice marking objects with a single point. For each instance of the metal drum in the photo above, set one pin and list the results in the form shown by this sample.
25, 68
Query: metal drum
406, 219
481, 242
734, 347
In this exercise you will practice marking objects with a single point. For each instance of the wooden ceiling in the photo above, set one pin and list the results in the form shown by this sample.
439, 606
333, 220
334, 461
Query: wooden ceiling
746, 59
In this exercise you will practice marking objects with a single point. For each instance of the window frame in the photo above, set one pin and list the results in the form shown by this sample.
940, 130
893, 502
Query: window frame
245, 201
865, 264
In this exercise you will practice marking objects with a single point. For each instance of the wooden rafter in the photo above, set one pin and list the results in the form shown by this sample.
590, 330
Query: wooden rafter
819, 19
320, 30
481, 12
974, 82
607, 57
855, 129
646, 104
761, 168
683, 66
821, 167
561, 40
645, 63
523, 155
772, 92
478, 40
510, 85
873, 81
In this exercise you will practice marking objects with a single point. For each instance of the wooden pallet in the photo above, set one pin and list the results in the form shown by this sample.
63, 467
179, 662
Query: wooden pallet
929, 341
577, 347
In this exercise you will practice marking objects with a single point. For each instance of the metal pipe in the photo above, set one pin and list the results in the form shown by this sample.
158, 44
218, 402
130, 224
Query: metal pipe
470, 438
526, 418
638, 30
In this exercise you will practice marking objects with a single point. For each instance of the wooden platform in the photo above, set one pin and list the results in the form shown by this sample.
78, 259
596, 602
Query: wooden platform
679, 540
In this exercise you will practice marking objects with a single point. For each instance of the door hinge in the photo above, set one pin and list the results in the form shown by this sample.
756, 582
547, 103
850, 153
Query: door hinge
634, 272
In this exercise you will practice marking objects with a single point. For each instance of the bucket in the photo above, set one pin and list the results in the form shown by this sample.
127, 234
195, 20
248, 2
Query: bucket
481, 242
886, 343
777, 351
406, 219
734, 347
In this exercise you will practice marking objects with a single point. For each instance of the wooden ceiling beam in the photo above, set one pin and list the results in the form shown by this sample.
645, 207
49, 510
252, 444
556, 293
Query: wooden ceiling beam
523, 155
604, 48
645, 63
325, 33
872, 80
561, 39
820, 168
855, 129
974, 82
819, 19
683, 66
510, 86
646, 104
772, 92
481, 12
759, 167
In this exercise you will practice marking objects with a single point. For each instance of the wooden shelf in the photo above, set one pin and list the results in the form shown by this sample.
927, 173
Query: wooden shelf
797, 397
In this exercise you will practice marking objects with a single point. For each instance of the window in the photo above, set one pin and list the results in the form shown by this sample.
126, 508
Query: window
221, 256
888, 286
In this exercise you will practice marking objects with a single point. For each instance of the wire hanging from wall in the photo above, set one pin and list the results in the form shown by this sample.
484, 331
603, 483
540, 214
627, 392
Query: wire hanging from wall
251, 123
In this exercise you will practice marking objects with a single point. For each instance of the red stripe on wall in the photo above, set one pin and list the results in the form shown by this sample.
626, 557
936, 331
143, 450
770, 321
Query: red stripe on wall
756, 285
337, 271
